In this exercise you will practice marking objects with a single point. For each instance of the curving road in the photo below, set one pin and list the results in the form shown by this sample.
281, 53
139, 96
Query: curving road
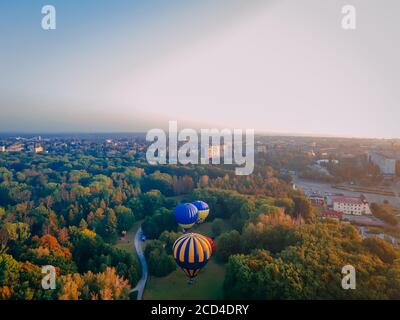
139, 250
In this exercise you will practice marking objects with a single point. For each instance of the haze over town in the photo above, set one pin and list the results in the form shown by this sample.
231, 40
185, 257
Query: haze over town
273, 66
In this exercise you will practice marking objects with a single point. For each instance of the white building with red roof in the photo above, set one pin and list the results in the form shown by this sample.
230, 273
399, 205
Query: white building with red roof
351, 205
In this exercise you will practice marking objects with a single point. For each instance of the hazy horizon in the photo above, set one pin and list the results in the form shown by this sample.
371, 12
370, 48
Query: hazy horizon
279, 67
257, 133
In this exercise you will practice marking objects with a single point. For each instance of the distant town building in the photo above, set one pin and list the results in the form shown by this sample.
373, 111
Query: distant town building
386, 165
310, 153
327, 161
17, 147
317, 200
319, 168
2, 149
351, 205
332, 214
38, 149
261, 149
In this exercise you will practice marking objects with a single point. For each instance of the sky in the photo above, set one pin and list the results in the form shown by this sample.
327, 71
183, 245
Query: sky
276, 66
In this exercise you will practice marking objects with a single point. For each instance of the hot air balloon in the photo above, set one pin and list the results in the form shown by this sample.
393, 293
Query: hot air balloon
203, 210
211, 242
186, 215
192, 252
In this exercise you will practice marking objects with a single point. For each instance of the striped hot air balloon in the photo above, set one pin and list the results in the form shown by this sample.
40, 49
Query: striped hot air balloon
203, 210
186, 215
192, 252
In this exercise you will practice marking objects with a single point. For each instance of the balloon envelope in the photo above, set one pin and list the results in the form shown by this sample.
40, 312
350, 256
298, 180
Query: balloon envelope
211, 242
186, 215
192, 252
203, 209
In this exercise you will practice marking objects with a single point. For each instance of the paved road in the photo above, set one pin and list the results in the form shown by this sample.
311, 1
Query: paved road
139, 250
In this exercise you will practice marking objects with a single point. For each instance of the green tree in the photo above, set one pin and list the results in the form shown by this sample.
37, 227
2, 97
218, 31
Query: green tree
125, 218
161, 221
169, 238
217, 226
228, 244
159, 262
385, 251
159, 181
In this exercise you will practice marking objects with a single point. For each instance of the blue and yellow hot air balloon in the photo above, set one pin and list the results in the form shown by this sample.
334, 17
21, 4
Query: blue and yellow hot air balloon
192, 252
203, 210
186, 215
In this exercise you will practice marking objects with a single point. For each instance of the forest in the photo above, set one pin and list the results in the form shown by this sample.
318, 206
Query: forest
69, 211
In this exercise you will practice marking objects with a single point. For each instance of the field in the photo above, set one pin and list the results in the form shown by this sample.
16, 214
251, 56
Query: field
208, 284
127, 243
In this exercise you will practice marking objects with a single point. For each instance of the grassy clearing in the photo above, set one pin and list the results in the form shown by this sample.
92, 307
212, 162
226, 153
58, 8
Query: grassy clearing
128, 243
208, 285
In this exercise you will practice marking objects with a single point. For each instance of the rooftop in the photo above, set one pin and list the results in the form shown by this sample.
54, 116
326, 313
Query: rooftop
332, 214
349, 200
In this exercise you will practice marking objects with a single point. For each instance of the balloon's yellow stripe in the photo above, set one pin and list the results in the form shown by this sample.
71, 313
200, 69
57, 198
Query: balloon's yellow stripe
183, 249
206, 246
186, 226
176, 245
200, 251
191, 250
